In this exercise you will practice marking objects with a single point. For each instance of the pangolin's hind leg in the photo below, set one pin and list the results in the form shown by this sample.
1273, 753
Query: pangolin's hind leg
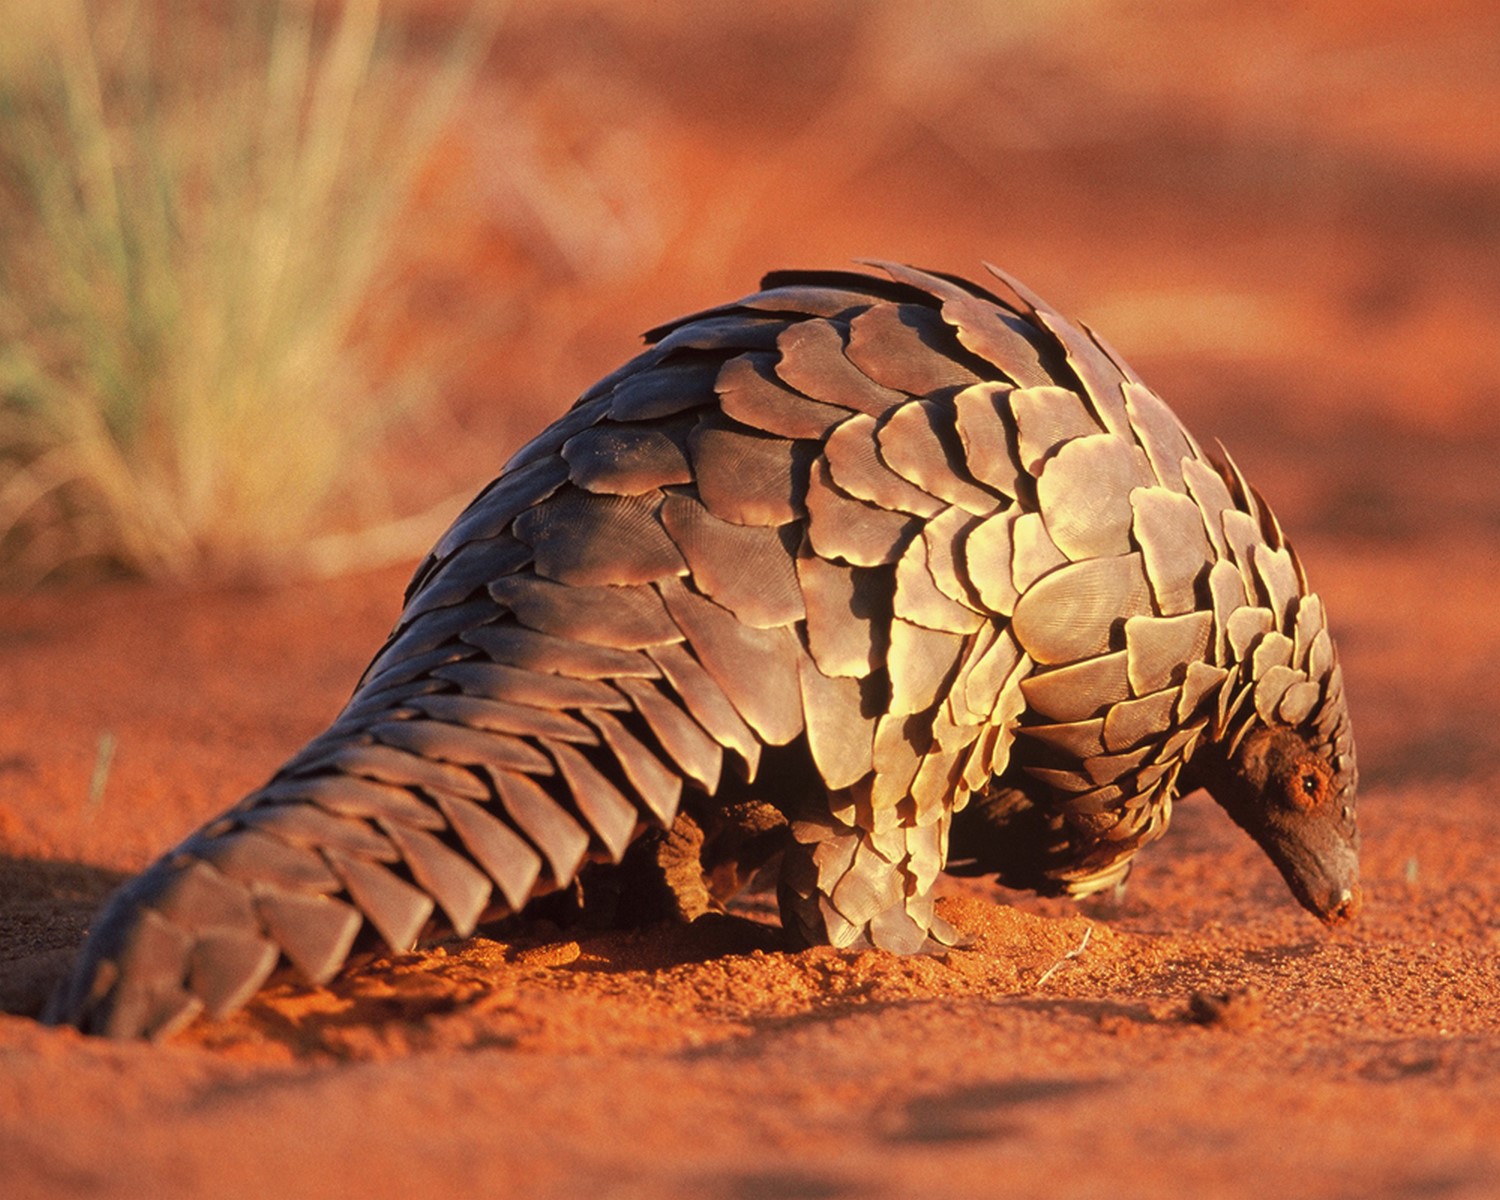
709, 855
850, 887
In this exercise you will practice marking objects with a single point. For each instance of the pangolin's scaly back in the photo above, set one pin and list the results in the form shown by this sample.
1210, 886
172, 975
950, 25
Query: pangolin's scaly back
932, 541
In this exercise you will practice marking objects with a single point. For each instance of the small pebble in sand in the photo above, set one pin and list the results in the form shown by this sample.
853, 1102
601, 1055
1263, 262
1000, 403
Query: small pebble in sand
549, 954
1239, 1009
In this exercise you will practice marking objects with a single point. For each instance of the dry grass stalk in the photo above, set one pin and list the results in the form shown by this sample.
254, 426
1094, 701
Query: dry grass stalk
197, 207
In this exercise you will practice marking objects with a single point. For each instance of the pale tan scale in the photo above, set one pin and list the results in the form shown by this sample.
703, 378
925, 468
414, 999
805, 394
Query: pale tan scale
1273, 650
1247, 625
581, 538
626, 461
998, 337
546, 824
750, 393
1085, 520
975, 767
1271, 689
840, 733
989, 554
1097, 810
1071, 613
985, 683
1166, 443
708, 703
1131, 722
932, 788
386, 764
1107, 768
924, 846
1206, 487
745, 477
1309, 623
892, 344
1278, 578
920, 443
833, 856
920, 661
626, 617
1079, 739
314, 932
602, 804
1068, 783
919, 600
458, 744
1232, 698
302, 824
1159, 649
756, 668
813, 362
459, 887
842, 634
1079, 691
861, 895
483, 713
857, 468
397, 909
1320, 657
947, 536
842, 527
744, 568
696, 754
899, 747
992, 333
505, 856
987, 438
1226, 588
1009, 706
659, 788
1242, 533
949, 733
1168, 528
1046, 419
1033, 552
1298, 702
293, 867
1100, 378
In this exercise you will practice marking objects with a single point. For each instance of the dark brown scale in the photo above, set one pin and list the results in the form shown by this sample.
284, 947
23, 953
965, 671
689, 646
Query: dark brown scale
750, 393
748, 478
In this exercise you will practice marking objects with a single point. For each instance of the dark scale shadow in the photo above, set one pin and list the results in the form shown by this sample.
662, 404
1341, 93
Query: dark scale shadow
984, 1111
45, 908
783, 1184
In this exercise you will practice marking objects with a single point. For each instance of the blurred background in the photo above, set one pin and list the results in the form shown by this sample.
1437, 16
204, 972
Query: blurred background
283, 282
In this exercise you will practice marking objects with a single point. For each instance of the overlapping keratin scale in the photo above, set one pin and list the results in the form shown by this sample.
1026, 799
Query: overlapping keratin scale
1135, 621
932, 538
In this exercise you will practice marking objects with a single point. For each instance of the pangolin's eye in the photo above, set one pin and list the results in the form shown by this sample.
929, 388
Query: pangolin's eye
1307, 784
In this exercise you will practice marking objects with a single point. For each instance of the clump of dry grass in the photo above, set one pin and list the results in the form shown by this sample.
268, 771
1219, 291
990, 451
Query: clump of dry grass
196, 203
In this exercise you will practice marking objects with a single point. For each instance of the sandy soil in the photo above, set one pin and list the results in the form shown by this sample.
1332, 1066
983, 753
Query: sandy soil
1289, 219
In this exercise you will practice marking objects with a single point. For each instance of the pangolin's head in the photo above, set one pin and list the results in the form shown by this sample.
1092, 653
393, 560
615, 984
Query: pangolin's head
1289, 797
1292, 788
1280, 758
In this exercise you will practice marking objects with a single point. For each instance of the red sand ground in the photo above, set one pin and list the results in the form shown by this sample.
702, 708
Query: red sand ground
1288, 218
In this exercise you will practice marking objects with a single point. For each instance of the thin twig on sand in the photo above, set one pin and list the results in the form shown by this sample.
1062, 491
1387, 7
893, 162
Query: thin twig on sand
1075, 952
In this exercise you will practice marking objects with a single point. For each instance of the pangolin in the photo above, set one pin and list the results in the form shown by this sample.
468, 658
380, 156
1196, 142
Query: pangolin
861, 576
